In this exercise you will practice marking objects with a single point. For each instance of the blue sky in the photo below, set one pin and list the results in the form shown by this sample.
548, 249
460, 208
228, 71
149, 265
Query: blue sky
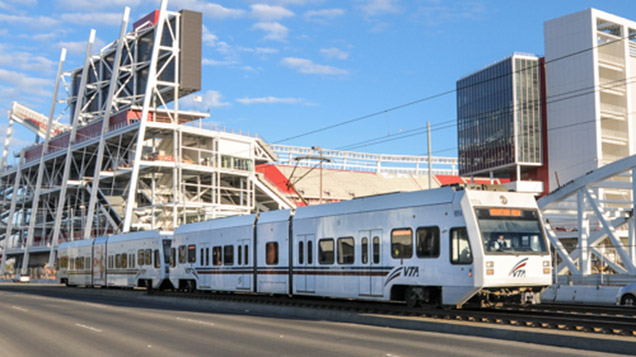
282, 68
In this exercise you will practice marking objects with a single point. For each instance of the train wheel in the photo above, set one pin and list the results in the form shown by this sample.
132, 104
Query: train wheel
628, 300
414, 296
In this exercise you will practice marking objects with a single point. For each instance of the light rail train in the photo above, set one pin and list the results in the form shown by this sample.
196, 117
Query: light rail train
447, 246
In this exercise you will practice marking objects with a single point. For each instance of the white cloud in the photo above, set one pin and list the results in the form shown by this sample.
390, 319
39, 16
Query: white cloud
270, 100
214, 11
111, 18
275, 31
34, 21
25, 61
333, 52
266, 12
79, 47
209, 99
212, 40
380, 7
213, 62
306, 66
436, 13
322, 15
92, 4
25, 83
262, 51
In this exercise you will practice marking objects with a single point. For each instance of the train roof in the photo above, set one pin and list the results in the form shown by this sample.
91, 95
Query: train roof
274, 216
437, 196
219, 223
133, 236
77, 243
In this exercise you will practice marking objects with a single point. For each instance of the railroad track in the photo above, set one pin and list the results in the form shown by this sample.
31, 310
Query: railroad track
613, 321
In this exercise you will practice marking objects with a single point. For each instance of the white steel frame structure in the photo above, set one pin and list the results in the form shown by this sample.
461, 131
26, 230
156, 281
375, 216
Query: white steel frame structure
129, 159
586, 211
358, 161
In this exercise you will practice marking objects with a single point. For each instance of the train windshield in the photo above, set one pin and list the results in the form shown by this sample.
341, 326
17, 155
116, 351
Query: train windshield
511, 231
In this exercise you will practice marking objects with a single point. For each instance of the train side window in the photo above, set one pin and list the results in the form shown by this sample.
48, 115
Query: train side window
240, 254
460, 246
346, 253
325, 251
310, 252
192, 253
88, 262
110, 261
246, 252
202, 256
148, 257
132, 260
140, 257
216, 256
402, 243
118, 261
271, 253
228, 255
157, 260
365, 250
64, 262
124, 260
182, 254
300, 253
173, 257
376, 250
427, 242
207, 256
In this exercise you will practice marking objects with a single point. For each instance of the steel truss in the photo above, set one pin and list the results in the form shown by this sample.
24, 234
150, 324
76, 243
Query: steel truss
590, 223
130, 159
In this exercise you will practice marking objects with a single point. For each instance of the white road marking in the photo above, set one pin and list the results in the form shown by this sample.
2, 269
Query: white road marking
88, 327
101, 306
196, 321
20, 308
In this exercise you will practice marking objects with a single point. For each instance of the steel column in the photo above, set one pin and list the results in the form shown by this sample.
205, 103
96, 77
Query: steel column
585, 267
7, 142
148, 94
69, 152
14, 201
105, 124
38, 185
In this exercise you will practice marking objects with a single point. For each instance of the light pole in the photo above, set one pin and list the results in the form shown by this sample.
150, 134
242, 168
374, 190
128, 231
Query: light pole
319, 149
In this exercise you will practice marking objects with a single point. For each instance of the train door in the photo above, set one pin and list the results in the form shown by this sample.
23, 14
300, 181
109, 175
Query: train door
205, 279
304, 278
99, 262
243, 260
371, 259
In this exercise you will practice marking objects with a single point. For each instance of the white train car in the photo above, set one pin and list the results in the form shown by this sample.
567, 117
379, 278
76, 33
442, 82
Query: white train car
272, 252
139, 259
214, 255
422, 247
75, 262
436, 246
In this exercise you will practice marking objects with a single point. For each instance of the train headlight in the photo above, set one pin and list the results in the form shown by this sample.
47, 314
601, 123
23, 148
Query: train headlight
490, 264
546, 263
490, 271
546, 270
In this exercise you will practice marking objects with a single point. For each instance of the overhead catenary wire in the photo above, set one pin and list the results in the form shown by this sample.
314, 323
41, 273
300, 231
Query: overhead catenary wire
446, 92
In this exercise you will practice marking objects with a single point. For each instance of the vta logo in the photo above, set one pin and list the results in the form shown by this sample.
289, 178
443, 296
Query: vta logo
519, 271
412, 272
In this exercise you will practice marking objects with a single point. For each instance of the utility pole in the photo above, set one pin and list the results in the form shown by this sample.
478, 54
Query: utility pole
430, 165
321, 158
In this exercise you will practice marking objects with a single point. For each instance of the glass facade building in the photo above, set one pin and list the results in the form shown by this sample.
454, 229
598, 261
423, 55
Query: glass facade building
499, 117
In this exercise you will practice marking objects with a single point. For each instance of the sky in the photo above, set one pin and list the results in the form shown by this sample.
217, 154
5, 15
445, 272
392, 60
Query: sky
287, 69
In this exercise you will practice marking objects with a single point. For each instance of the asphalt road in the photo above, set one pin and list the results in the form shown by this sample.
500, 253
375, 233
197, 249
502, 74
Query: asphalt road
56, 321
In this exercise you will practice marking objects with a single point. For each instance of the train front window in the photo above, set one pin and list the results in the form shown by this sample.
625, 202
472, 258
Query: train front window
511, 231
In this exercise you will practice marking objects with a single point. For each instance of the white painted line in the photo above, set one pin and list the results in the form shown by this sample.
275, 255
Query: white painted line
196, 321
20, 308
88, 327
101, 306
